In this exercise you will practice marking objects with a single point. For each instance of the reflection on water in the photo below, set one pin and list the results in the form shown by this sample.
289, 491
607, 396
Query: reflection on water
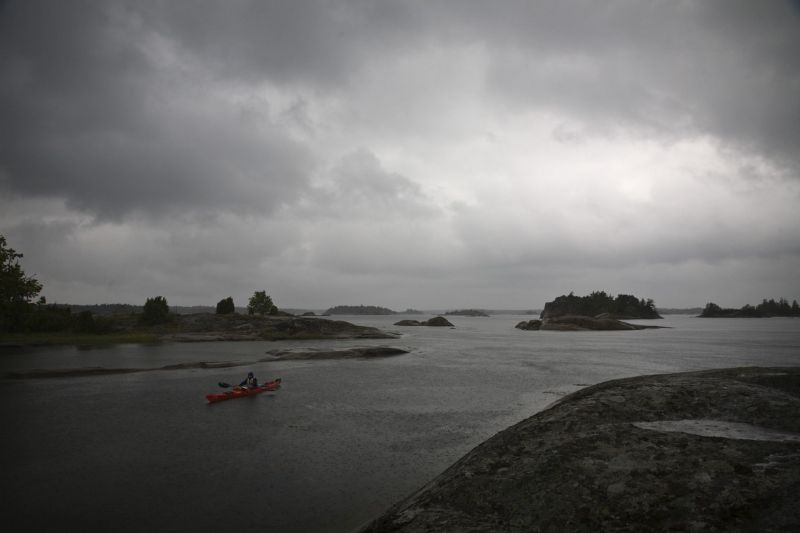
337, 444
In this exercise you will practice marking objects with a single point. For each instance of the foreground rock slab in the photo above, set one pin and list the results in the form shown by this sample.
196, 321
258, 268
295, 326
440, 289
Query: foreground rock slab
703, 451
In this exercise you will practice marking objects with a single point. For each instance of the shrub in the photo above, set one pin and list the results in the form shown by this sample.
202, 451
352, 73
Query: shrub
225, 306
261, 304
156, 311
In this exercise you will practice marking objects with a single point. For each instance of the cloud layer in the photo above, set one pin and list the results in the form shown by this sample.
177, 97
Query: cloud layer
408, 154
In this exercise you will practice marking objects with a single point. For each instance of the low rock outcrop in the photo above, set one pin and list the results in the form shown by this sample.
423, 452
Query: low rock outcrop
316, 328
211, 327
350, 353
438, 321
712, 451
587, 323
580, 323
409, 323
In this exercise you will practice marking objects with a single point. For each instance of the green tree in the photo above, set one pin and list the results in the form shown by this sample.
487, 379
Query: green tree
156, 311
225, 306
16, 289
261, 304
15, 286
711, 309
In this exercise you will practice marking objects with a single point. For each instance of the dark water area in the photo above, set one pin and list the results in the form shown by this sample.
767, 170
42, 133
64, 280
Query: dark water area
340, 442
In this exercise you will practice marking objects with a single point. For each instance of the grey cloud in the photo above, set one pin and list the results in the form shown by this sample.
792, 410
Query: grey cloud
602, 230
189, 261
724, 68
88, 116
728, 69
242, 109
358, 186
314, 42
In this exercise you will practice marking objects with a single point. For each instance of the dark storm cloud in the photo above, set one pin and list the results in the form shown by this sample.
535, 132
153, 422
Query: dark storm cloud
94, 110
501, 144
314, 42
89, 115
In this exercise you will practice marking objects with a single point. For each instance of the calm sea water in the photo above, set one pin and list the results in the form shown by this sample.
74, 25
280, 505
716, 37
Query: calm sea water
340, 442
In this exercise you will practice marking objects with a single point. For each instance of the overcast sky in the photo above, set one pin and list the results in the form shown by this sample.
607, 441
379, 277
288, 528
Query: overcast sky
427, 154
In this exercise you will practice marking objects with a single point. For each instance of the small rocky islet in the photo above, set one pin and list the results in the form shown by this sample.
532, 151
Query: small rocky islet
438, 322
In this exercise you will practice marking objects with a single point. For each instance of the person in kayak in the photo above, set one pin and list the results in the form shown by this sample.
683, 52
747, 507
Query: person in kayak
250, 381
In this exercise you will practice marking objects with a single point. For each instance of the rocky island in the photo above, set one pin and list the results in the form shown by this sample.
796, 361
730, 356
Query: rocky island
601, 305
713, 451
596, 312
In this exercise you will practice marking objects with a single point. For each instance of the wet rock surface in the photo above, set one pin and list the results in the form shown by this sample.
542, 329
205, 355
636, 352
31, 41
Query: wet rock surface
300, 327
703, 451
350, 353
588, 323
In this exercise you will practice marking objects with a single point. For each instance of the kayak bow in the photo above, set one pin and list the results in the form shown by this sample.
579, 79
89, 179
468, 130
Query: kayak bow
240, 392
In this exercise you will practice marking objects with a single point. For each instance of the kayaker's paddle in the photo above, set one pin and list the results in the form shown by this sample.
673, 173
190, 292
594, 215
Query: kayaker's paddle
228, 385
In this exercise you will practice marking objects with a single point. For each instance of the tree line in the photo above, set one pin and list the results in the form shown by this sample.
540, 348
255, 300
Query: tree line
21, 312
766, 309
600, 303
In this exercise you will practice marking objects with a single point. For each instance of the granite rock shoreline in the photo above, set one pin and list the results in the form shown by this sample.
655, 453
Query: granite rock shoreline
209, 328
702, 451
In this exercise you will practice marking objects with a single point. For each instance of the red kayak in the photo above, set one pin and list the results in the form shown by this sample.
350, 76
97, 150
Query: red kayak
240, 392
